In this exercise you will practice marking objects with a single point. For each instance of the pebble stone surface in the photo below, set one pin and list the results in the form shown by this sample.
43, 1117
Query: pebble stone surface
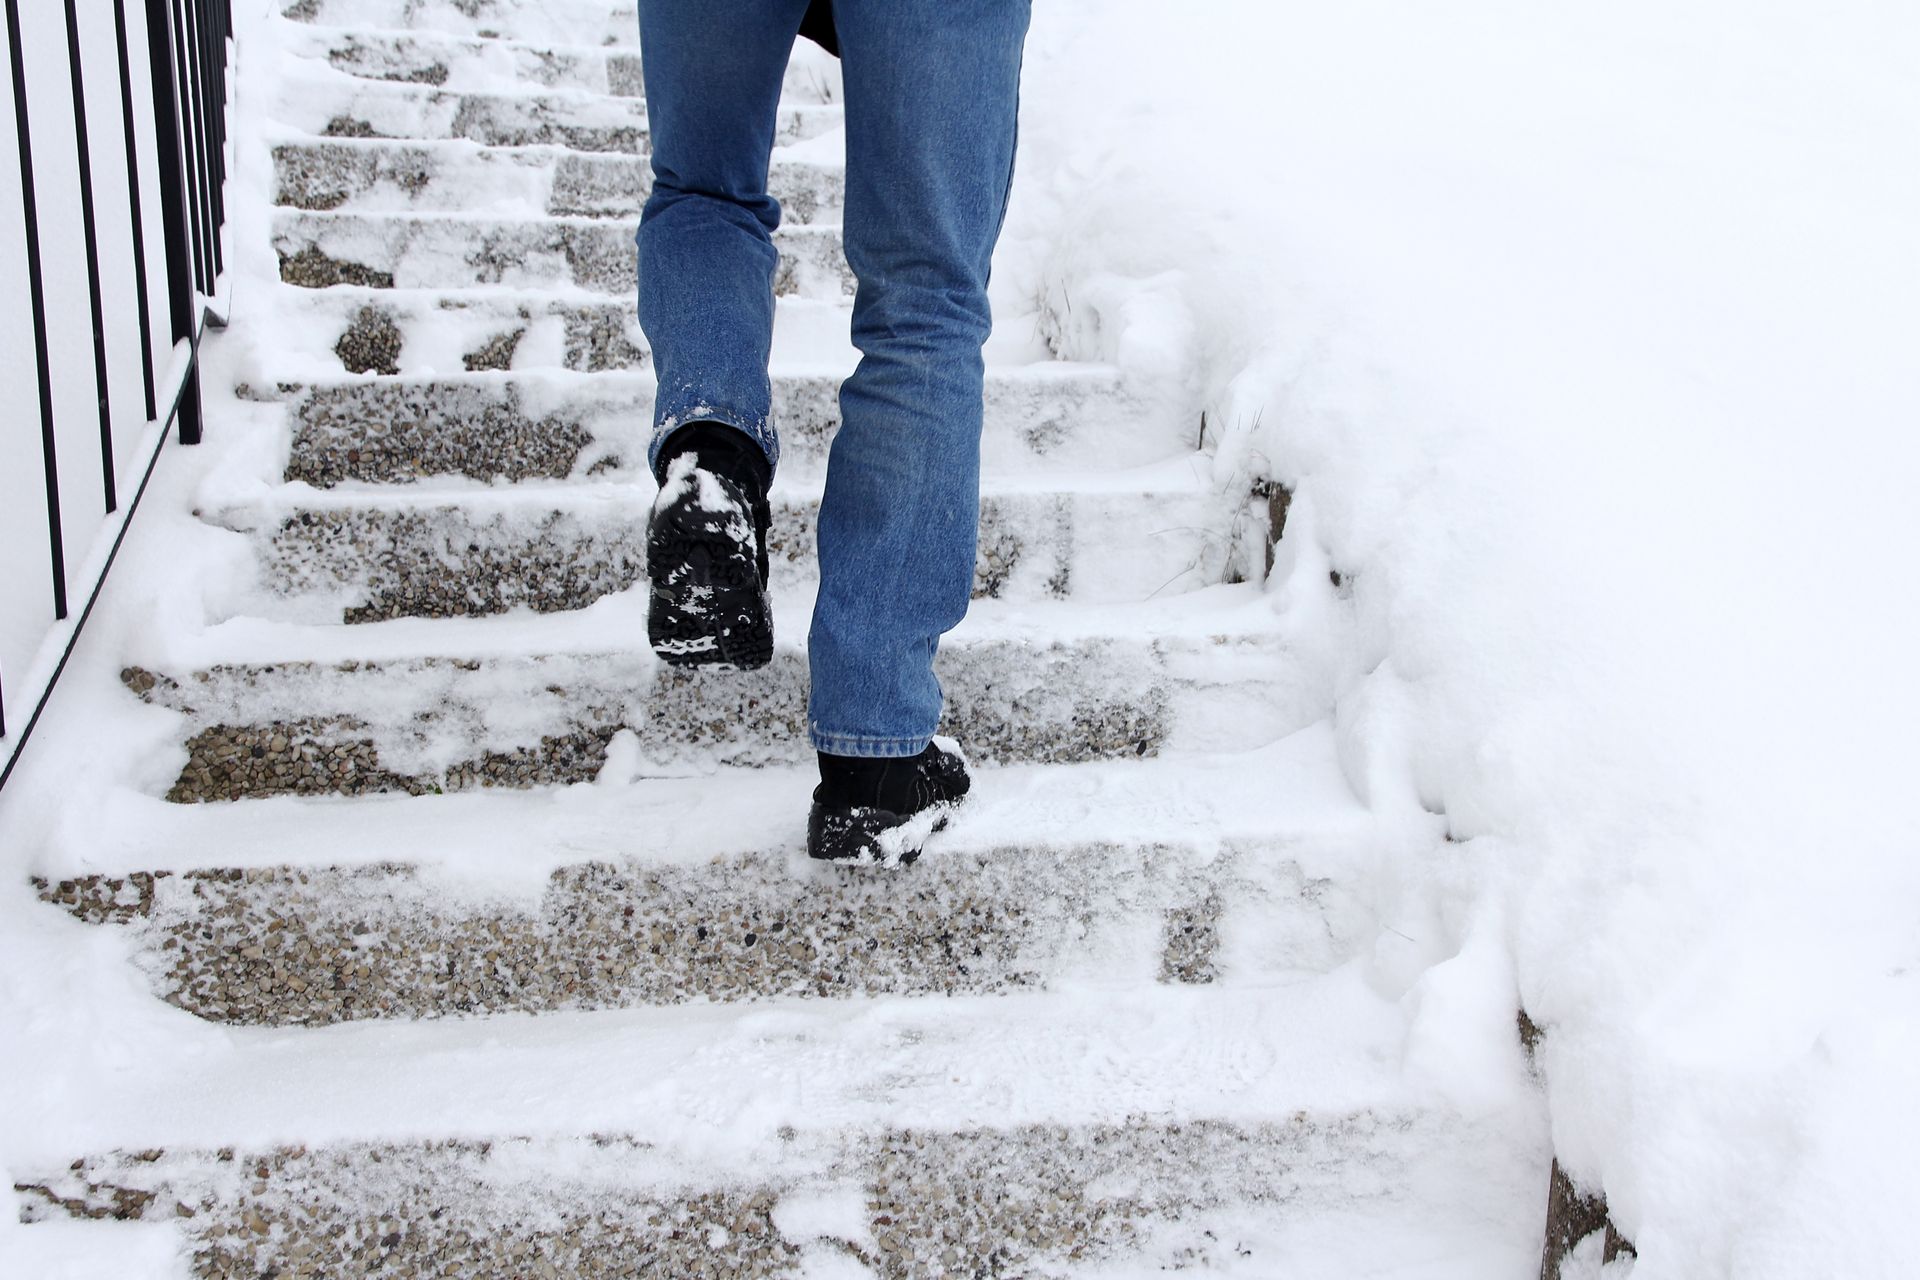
321, 176
387, 432
391, 431
450, 561
1064, 702
597, 255
1037, 1200
313, 946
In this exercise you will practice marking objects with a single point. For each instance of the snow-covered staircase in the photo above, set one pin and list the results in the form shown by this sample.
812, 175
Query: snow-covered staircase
527, 970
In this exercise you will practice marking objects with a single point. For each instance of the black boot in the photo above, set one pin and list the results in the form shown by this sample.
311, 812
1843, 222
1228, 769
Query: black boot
879, 812
707, 550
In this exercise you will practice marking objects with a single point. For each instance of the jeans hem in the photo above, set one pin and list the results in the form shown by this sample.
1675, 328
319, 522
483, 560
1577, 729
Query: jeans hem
757, 428
867, 745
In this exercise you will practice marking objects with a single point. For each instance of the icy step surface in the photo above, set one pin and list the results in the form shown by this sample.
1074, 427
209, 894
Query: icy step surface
1419, 1195
327, 104
1229, 1128
551, 23
374, 176
1222, 868
310, 946
358, 556
456, 62
456, 251
420, 706
485, 57
492, 426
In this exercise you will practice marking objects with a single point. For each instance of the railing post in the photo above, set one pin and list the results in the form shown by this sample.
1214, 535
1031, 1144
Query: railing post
162, 44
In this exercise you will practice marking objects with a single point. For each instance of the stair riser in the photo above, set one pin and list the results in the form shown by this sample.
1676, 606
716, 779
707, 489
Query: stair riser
477, 333
426, 725
557, 22
508, 429
321, 249
555, 56
369, 109
287, 947
1032, 1200
442, 62
364, 565
391, 178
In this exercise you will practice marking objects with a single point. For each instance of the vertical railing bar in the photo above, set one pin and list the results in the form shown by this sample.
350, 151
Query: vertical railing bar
197, 52
37, 301
90, 239
183, 124
188, 122
164, 62
142, 301
214, 105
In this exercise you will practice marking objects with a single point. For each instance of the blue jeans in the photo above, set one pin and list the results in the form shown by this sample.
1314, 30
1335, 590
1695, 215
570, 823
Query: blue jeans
932, 88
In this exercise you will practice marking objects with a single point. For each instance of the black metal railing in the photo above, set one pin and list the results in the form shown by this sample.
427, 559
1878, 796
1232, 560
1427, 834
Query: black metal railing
180, 162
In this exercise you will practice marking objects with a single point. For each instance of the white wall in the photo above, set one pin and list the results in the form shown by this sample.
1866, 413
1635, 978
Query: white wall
26, 587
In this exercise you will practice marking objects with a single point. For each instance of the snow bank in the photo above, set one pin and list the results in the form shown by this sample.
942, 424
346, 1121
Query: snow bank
1587, 341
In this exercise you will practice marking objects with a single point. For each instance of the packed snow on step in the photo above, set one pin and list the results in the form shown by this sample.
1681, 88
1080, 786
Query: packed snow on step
1586, 341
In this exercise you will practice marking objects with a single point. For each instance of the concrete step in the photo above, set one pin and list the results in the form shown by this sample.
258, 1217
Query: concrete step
421, 706
1398, 1195
1048, 417
374, 176
324, 103
604, 23
420, 332
1238, 867
469, 62
358, 556
1243, 1132
452, 251
474, 62
309, 946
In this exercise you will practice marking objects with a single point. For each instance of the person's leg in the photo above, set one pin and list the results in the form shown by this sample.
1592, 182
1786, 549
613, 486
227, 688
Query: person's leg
932, 89
706, 265
713, 70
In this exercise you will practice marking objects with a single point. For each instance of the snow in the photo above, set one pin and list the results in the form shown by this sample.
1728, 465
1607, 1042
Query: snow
1584, 340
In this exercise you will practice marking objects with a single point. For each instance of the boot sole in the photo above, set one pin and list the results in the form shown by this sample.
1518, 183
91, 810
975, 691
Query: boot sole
874, 837
709, 607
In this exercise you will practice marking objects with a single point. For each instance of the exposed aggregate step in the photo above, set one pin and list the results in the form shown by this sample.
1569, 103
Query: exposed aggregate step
523, 717
376, 176
903, 1204
443, 60
337, 106
452, 251
605, 23
503, 426
388, 331
310, 946
362, 557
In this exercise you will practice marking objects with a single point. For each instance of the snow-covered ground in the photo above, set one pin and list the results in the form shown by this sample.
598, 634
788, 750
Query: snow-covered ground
1586, 342
1589, 338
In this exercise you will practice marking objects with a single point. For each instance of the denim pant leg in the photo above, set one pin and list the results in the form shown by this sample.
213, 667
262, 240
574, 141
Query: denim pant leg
706, 267
932, 90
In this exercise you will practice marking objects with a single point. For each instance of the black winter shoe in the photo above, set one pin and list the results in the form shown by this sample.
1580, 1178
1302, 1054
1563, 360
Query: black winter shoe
879, 812
707, 551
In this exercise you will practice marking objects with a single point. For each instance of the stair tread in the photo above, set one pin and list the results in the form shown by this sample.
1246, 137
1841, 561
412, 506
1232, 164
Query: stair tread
1325, 1043
1301, 798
